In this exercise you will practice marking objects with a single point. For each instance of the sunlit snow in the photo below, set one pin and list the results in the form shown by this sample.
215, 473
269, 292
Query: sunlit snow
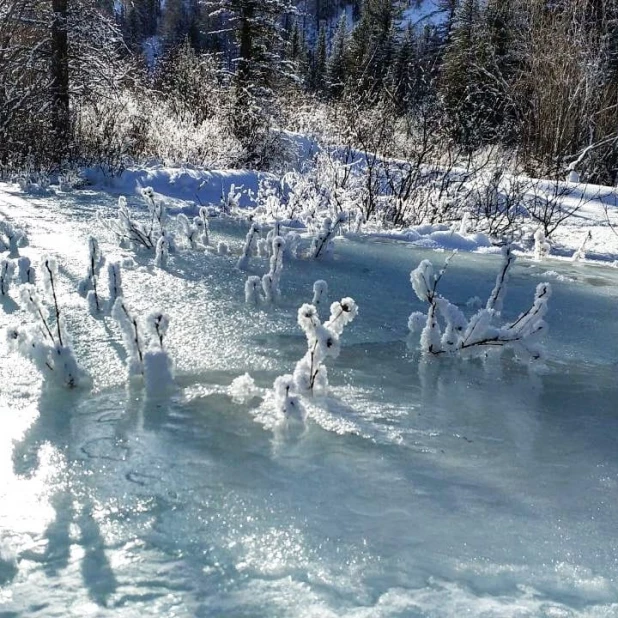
434, 487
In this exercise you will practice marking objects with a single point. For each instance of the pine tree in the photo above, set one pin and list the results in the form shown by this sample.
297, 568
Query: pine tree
373, 42
337, 65
260, 43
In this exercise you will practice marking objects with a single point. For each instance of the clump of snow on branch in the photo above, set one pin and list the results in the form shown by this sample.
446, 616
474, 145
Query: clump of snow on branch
46, 341
445, 328
243, 389
320, 293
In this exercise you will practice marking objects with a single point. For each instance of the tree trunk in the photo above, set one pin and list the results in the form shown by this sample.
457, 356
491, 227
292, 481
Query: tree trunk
60, 76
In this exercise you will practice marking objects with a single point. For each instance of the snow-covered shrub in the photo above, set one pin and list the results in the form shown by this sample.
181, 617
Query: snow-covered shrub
46, 341
7, 270
158, 366
162, 251
132, 336
25, 270
11, 239
310, 375
270, 281
135, 234
253, 291
550, 203
230, 202
445, 328
88, 285
287, 402
146, 353
130, 232
580, 254
195, 233
223, 248
202, 225
250, 247
190, 231
322, 244
541, 246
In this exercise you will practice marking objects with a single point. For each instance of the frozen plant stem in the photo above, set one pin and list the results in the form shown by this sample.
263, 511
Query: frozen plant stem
52, 285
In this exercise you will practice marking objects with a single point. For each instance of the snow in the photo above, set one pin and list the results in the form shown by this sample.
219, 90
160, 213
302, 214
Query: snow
413, 487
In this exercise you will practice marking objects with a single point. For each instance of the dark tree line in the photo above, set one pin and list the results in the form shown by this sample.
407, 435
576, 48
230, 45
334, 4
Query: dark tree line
538, 77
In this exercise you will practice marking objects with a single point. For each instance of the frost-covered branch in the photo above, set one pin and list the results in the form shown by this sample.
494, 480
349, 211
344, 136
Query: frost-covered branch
310, 376
322, 243
7, 270
46, 344
445, 328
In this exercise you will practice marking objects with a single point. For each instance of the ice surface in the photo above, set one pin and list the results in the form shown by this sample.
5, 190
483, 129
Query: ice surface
433, 488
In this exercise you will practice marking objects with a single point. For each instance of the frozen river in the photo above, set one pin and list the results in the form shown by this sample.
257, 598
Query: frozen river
439, 488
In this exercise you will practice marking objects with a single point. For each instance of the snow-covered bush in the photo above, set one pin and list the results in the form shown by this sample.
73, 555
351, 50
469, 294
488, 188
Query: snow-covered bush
146, 353
271, 280
323, 244
202, 225
11, 239
230, 201
135, 234
130, 232
88, 285
445, 328
46, 341
190, 231
310, 374
158, 365
25, 270
253, 291
162, 251
132, 336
